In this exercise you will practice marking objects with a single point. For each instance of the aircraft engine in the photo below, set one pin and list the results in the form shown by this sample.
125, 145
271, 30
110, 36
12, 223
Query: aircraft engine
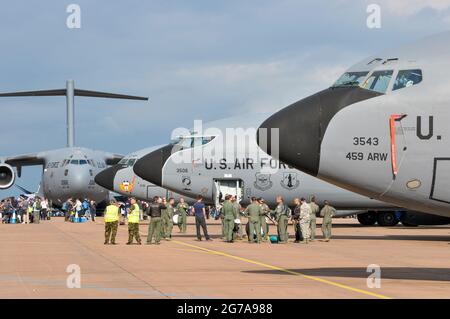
7, 176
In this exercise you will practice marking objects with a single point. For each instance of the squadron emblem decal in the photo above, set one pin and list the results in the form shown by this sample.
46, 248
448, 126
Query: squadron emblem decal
290, 181
263, 181
126, 186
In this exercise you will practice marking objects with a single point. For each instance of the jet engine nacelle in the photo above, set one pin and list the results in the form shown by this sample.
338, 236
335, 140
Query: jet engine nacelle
7, 176
412, 218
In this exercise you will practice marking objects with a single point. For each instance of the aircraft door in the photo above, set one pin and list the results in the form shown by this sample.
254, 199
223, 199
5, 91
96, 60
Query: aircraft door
223, 187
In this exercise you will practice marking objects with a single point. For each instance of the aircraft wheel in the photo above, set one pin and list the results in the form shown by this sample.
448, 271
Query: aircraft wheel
387, 219
367, 219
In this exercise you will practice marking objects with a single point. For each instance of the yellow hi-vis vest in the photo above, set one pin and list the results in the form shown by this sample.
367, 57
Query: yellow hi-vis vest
111, 214
135, 215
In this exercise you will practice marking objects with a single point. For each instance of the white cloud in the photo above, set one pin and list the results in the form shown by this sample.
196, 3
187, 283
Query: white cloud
412, 7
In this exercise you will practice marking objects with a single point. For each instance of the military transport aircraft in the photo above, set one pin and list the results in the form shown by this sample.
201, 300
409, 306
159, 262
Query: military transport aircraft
210, 162
381, 130
120, 178
67, 172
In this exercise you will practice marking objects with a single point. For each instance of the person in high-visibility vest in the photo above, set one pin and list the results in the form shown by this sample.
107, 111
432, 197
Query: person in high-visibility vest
111, 222
133, 222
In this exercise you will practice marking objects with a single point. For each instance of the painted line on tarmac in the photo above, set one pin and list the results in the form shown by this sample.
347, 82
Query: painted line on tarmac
325, 281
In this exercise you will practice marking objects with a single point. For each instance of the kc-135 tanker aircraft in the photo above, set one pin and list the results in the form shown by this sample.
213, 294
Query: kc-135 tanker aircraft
213, 163
381, 130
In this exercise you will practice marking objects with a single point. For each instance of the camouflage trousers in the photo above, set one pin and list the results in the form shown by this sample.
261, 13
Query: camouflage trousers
304, 226
312, 229
111, 231
133, 232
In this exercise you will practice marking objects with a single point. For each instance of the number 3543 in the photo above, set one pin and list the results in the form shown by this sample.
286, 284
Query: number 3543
361, 141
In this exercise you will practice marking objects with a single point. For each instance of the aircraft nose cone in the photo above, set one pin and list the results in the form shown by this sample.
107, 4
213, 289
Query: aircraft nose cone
293, 135
150, 166
302, 126
106, 177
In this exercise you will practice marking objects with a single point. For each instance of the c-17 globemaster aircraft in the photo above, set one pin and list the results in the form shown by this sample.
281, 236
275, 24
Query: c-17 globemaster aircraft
120, 178
209, 162
381, 130
67, 172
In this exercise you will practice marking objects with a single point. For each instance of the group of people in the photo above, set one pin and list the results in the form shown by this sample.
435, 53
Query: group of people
78, 208
161, 212
258, 212
25, 210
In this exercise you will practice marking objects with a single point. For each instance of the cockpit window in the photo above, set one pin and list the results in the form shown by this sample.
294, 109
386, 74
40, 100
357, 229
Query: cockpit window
127, 162
83, 162
131, 162
74, 162
351, 79
378, 81
187, 142
406, 78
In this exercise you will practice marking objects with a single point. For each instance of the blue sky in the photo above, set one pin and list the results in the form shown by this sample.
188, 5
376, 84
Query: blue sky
194, 59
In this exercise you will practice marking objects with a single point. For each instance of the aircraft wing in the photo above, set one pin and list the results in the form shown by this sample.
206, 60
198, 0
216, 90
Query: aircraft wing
25, 160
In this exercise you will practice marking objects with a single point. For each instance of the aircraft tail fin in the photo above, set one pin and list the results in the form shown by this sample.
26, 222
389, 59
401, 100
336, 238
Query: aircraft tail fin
70, 92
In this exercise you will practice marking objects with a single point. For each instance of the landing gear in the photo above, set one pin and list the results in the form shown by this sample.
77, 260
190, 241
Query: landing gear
367, 219
387, 219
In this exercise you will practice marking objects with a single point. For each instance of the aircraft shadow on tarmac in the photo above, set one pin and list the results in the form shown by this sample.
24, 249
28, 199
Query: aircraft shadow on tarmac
405, 273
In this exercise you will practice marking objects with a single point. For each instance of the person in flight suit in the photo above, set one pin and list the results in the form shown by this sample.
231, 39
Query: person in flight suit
296, 220
237, 208
327, 213
305, 220
314, 210
169, 222
182, 208
154, 227
281, 215
229, 215
133, 222
164, 219
254, 213
111, 217
265, 210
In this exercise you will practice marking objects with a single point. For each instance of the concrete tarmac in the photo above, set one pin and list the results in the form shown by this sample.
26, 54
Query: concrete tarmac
38, 261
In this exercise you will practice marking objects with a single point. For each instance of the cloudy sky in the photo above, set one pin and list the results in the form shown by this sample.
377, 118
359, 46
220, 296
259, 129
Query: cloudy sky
196, 59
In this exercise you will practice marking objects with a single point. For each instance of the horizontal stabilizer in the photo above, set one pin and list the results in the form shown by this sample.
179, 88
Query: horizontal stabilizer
77, 92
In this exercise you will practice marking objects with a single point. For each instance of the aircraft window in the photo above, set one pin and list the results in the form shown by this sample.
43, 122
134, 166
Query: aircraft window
75, 162
66, 172
378, 81
83, 162
406, 78
131, 162
123, 161
188, 142
351, 79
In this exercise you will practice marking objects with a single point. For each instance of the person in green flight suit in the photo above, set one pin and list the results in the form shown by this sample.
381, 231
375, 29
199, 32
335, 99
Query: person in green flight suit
169, 222
182, 208
281, 213
254, 212
229, 215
